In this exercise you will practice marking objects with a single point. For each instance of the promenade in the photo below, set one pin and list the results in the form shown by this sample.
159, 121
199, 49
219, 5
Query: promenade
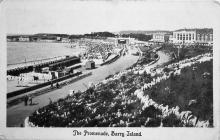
98, 74
16, 114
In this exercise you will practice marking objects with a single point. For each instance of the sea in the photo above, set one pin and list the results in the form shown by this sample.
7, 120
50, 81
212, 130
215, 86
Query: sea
19, 52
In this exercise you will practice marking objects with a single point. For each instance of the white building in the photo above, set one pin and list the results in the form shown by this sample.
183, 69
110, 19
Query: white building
122, 40
65, 40
170, 38
192, 36
23, 39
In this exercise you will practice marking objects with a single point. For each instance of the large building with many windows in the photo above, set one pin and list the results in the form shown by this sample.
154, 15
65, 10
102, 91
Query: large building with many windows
192, 36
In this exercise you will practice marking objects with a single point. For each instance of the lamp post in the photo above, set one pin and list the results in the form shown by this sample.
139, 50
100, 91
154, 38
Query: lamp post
181, 46
194, 73
178, 51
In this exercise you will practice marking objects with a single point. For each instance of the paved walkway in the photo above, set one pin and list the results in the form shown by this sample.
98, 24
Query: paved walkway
163, 59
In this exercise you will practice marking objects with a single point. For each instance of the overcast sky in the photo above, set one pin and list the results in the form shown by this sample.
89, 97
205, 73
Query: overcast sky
74, 17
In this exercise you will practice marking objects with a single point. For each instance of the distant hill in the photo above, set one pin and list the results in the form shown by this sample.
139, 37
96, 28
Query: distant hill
138, 36
51, 35
100, 34
142, 32
73, 36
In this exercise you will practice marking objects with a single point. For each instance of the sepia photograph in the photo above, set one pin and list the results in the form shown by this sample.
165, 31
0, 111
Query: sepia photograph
125, 64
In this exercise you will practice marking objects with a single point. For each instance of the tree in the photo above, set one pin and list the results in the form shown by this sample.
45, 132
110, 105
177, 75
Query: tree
151, 112
172, 121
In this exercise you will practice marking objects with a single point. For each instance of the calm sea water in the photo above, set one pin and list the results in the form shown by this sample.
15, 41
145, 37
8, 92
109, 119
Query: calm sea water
17, 52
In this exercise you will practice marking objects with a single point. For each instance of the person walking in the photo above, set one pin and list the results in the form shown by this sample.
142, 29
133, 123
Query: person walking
25, 100
51, 84
57, 85
30, 100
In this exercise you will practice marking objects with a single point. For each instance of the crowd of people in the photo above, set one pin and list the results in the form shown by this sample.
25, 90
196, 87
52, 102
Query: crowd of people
11, 77
96, 48
120, 101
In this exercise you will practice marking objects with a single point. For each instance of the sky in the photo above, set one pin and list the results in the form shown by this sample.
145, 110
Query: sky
78, 17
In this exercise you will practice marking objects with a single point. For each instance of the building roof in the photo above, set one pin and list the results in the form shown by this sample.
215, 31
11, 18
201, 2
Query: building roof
147, 32
201, 30
205, 31
90, 61
185, 30
162, 33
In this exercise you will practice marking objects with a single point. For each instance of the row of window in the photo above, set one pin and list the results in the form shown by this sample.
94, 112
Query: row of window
158, 37
184, 36
208, 37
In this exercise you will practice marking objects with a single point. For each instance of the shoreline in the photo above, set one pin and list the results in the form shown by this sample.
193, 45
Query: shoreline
36, 60
109, 61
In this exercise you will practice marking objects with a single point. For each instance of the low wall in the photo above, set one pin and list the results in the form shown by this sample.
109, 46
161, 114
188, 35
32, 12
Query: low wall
28, 68
113, 59
153, 62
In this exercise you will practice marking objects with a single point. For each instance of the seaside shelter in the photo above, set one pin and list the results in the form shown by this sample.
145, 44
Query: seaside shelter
90, 64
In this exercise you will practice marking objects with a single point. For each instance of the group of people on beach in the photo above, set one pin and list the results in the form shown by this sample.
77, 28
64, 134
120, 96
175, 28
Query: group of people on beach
94, 49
